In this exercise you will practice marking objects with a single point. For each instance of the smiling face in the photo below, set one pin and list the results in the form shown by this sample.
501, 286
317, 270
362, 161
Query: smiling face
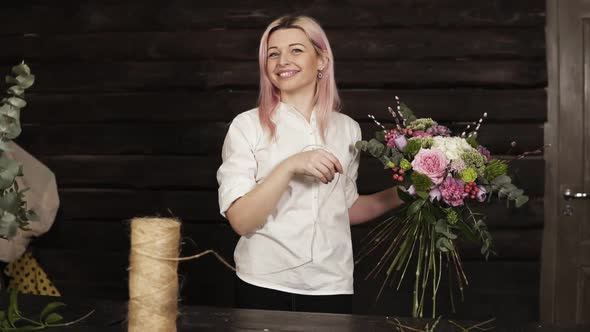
292, 63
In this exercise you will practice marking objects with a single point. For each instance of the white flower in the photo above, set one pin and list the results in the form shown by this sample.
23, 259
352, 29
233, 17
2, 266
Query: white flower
453, 147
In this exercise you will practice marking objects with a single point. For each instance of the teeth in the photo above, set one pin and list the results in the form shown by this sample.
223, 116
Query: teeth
287, 74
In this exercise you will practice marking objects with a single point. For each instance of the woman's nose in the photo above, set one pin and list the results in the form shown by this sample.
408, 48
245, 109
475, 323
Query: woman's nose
284, 59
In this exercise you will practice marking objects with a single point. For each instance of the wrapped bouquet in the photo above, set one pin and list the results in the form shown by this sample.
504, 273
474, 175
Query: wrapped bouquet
441, 178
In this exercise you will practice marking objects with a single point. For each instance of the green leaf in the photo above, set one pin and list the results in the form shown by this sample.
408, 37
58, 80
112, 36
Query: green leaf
422, 194
515, 193
10, 80
415, 207
16, 102
13, 312
361, 145
53, 318
441, 226
502, 179
25, 328
25, 82
31, 215
521, 200
16, 90
49, 309
440, 246
21, 69
2, 315
8, 225
375, 148
10, 202
9, 111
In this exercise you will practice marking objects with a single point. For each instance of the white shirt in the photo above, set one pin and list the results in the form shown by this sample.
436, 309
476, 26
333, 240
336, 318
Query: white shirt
305, 245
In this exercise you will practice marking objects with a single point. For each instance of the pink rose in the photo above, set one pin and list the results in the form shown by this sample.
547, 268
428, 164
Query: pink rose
432, 163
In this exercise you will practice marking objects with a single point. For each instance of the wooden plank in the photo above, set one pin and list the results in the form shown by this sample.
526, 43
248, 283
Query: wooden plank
207, 138
142, 76
188, 172
113, 236
202, 207
180, 139
383, 44
206, 282
158, 15
445, 105
510, 244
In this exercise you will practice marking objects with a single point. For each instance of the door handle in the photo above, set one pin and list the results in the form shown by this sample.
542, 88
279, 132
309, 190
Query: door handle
568, 195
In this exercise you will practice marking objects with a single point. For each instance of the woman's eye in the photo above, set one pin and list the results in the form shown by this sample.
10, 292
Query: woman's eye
296, 50
273, 55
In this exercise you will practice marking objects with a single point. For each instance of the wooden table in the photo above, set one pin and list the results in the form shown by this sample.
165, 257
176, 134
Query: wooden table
111, 315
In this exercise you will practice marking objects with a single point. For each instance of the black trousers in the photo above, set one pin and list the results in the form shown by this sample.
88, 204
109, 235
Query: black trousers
249, 296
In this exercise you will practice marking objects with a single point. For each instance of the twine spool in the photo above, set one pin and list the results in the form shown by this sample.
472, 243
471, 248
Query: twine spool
153, 281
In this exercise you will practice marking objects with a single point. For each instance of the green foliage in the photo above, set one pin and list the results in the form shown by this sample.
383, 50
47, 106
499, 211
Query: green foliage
422, 124
405, 164
414, 145
475, 160
407, 113
468, 175
453, 216
494, 169
373, 147
13, 320
505, 189
13, 209
472, 141
421, 182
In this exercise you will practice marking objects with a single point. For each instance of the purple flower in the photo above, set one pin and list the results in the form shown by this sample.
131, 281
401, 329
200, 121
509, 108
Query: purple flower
481, 194
434, 194
439, 130
452, 191
420, 133
400, 142
484, 152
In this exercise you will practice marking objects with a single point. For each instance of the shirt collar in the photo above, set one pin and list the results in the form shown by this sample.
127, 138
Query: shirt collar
291, 110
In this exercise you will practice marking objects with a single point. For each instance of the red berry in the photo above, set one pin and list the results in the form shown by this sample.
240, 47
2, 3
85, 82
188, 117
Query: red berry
472, 196
401, 179
395, 176
467, 189
401, 171
395, 169
409, 131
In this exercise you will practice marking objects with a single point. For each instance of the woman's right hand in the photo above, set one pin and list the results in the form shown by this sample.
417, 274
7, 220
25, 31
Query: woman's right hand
318, 163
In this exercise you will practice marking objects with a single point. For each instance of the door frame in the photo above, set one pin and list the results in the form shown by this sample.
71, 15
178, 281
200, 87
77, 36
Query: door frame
551, 156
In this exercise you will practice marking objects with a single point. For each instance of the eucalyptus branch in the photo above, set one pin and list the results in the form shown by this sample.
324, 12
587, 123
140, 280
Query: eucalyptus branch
13, 208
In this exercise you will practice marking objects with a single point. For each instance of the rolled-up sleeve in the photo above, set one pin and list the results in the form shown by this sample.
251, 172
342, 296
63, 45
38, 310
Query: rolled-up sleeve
237, 174
350, 189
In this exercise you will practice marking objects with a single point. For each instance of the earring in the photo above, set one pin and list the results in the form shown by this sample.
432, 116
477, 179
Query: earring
320, 75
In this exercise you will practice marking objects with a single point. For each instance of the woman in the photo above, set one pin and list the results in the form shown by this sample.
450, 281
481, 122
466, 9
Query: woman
287, 183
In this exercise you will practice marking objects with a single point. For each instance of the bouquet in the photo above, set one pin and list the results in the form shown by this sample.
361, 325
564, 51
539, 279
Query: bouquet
442, 178
13, 209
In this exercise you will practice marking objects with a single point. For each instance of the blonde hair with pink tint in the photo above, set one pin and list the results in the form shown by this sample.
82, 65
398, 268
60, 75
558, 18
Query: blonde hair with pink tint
326, 98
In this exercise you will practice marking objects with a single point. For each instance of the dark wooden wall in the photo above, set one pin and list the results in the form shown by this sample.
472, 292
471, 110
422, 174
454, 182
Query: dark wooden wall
133, 98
